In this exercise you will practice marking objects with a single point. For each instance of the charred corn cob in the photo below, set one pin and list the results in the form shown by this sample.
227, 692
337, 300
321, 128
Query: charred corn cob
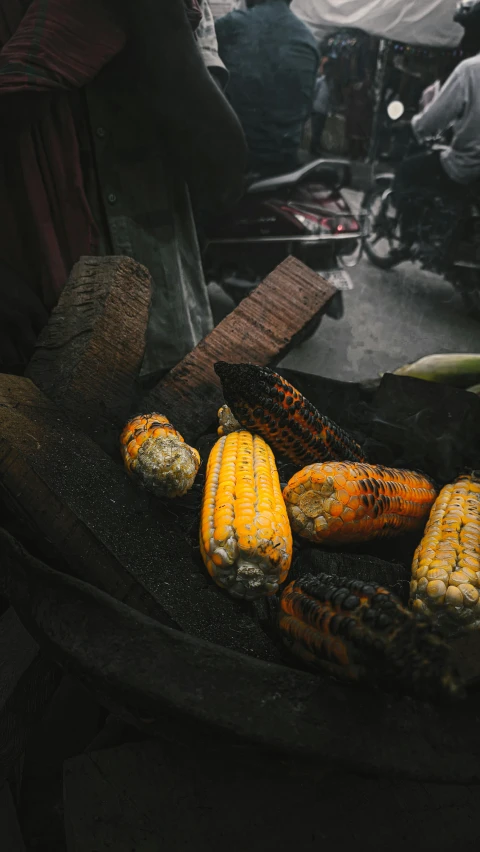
245, 537
446, 566
157, 456
227, 422
340, 502
265, 403
359, 631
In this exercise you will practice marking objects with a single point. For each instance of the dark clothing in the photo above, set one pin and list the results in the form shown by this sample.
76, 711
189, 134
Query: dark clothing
418, 180
318, 126
89, 172
272, 59
359, 118
48, 49
422, 170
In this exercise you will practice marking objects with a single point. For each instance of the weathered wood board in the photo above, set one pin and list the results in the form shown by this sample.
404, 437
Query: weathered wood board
27, 681
89, 355
260, 330
167, 683
155, 795
109, 532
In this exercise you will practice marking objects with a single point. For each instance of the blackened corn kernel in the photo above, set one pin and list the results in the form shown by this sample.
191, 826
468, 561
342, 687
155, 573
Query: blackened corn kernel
250, 390
376, 640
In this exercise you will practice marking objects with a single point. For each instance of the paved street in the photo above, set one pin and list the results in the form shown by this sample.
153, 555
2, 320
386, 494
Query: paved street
390, 318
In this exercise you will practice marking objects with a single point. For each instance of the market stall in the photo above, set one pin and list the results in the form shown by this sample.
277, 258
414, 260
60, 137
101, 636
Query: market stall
427, 23
383, 48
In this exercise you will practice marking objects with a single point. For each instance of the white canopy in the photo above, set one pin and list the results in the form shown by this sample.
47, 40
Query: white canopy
415, 22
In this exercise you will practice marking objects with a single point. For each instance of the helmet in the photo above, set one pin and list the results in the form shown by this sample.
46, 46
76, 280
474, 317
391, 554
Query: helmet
468, 13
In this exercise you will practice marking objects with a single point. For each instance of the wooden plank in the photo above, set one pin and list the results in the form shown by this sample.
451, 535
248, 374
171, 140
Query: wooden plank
88, 356
106, 530
27, 681
167, 683
11, 839
159, 795
22, 650
260, 330
69, 723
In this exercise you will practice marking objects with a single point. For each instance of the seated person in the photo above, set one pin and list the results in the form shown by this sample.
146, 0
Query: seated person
272, 59
456, 107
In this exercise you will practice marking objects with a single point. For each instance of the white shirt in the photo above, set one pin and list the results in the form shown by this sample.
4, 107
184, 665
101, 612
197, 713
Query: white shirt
207, 43
457, 106
321, 97
429, 94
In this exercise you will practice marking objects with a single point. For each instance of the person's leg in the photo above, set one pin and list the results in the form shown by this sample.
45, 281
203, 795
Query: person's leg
422, 171
318, 126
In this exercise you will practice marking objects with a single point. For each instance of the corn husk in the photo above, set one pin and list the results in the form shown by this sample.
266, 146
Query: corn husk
474, 389
460, 369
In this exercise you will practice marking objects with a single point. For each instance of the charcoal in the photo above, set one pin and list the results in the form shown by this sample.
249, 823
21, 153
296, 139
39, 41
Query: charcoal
354, 566
466, 657
403, 422
433, 427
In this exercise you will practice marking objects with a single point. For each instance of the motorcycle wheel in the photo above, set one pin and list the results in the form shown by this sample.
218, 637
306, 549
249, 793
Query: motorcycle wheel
382, 244
468, 285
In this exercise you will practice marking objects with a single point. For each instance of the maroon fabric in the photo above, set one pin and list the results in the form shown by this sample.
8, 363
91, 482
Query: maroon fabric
48, 47
194, 13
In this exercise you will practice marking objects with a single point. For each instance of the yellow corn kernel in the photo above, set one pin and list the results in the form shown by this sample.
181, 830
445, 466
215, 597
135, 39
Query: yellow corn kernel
342, 502
450, 553
259, 552
156, 455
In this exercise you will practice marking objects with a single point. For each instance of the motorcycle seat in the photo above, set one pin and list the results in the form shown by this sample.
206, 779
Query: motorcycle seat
323, 171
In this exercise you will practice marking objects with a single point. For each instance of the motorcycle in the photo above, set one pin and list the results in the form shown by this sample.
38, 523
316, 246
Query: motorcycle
302, 213
445, 233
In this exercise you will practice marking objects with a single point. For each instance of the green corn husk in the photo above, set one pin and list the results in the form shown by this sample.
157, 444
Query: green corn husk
474, 389
460, 369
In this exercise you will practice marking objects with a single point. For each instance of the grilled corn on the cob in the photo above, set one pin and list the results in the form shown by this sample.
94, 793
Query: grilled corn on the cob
340, 502
446, 566
360, 631
245, 537
156, 455
265, 403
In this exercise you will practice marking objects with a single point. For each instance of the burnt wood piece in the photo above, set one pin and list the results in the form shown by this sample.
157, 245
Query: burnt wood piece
89, 355
260, 331
108, 531
169, 684
159, 795
27, 682
313, 560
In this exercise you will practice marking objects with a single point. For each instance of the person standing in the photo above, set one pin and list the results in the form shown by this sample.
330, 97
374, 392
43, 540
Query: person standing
359, 116
99, 155
272, 59
321, 106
